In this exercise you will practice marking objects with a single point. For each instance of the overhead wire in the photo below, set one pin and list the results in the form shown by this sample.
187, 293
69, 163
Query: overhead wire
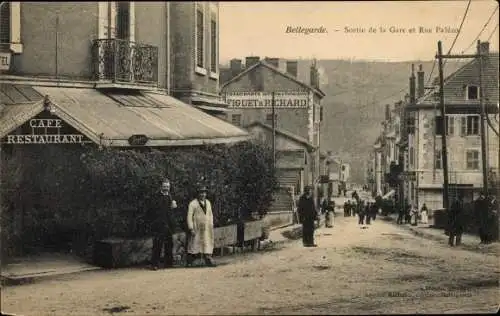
459, 30
482, 30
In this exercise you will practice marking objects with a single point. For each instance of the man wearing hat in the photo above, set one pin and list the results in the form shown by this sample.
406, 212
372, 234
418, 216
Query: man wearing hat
201, 228
307, 215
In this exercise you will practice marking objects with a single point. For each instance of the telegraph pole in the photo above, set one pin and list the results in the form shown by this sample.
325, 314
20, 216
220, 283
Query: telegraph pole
443, 123
274, 128
484, 160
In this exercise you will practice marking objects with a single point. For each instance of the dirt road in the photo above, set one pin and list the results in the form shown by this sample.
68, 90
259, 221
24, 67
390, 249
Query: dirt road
380, 269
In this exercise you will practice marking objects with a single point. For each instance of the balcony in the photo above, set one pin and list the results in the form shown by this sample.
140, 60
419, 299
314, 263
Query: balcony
122, 63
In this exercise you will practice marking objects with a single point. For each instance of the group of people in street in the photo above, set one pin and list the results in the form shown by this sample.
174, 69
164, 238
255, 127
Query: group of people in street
200, 228
412, 215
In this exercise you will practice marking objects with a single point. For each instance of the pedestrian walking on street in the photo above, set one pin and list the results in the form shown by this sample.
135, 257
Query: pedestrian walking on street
347, 208
374, 210
200, 223
424, 214
308, 215
329, 213
367, 211
401, 215
162, 227
408, 214
456, 222
481, 212
414, 215
361, 213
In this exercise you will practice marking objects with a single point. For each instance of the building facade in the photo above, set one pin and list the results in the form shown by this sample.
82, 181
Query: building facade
463, 91
261, 88
110, 69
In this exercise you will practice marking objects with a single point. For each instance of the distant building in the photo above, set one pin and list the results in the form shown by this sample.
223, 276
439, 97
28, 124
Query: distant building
250, 94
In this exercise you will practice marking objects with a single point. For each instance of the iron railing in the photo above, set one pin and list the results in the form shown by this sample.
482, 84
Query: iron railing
122, 61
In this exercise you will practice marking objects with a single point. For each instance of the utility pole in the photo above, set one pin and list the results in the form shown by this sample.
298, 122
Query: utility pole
484, 160
274, 129
444, 126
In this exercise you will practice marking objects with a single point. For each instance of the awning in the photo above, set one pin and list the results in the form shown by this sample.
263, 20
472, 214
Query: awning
389, 194
212, 108
111, 119
210, 104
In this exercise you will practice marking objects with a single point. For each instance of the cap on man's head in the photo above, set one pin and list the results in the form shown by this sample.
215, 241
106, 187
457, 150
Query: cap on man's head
202, 188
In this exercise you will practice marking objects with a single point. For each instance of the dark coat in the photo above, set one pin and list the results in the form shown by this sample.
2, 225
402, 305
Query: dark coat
456, 217
307, 210
481, 210
161, 216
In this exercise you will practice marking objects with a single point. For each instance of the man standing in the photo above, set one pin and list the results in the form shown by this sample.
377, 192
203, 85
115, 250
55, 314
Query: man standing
481, 210
200, 223
163, 227
307, 214
455, 222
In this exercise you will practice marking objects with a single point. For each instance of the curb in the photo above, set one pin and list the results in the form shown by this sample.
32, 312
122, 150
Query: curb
34, 278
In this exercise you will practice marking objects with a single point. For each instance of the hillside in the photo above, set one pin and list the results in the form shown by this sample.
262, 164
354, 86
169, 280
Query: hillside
356, 94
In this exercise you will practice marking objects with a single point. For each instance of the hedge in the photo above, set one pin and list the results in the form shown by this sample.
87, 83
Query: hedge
62, 193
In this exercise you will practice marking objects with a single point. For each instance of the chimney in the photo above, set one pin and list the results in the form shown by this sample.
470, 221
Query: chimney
251, 60
292, 67
235, 66
387, 112
483, 48
412, 85
314, 80
420, 80
273, 61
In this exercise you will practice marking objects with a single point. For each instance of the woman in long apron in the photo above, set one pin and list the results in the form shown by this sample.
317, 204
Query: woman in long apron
424, 214
330, 213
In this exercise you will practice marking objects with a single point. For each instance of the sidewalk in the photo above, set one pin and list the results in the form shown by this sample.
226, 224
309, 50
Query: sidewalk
51, 265
469, 242
45, 266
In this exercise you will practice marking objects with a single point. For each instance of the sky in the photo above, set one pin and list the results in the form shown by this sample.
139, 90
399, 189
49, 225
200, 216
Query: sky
260, 29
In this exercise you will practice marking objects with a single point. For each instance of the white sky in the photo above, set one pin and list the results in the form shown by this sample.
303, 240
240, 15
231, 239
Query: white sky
258, 28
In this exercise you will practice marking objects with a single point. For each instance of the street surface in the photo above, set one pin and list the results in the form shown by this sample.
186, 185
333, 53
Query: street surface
378, 270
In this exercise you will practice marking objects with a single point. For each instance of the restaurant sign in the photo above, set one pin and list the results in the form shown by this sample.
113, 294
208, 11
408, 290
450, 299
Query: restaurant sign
45, 131
291, 99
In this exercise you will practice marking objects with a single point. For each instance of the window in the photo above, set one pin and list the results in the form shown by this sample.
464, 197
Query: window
472, 93
321, 114
5, 23
470, 125
213, 45
269, 118
236, 119
438, 159
472, 159
411, 156
123, 20
450, 125
200, 60
410, 125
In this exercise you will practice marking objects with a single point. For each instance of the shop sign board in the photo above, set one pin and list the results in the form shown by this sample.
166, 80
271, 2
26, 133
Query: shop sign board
45, 131
252, 99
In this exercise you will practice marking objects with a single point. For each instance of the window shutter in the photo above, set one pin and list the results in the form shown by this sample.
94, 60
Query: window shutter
439, 125
5, 23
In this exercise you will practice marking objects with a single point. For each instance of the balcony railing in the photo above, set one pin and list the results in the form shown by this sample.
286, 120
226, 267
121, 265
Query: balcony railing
125, 62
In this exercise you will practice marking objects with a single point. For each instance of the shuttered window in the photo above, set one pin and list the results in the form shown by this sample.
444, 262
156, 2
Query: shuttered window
123, 20
213, 44
199, 39
5, 23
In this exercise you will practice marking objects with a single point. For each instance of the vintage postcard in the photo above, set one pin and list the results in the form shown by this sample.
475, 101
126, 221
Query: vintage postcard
249, 158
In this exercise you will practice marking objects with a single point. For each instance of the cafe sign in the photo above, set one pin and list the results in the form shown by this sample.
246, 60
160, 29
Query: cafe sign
45, 131
265, 99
